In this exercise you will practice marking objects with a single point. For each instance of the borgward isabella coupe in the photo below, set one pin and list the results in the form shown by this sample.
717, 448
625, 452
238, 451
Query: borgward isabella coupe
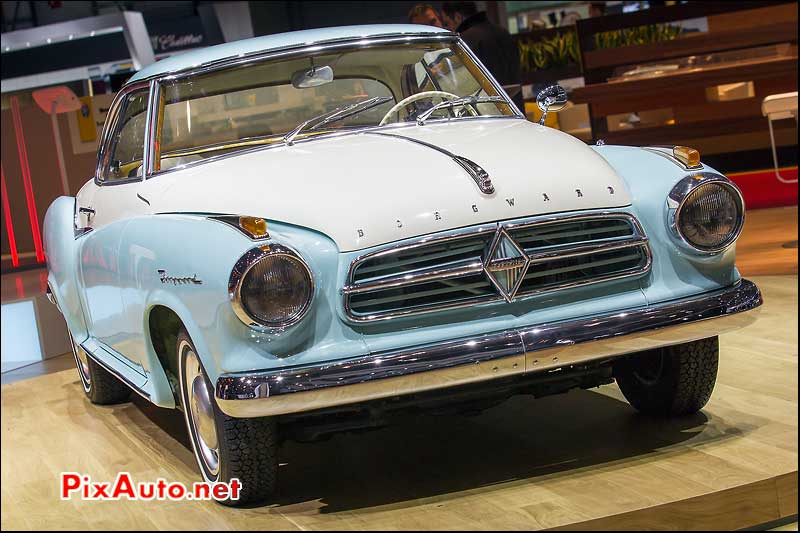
310, 232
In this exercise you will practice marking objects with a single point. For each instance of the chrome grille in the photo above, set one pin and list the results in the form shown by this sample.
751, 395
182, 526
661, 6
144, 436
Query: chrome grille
438, 273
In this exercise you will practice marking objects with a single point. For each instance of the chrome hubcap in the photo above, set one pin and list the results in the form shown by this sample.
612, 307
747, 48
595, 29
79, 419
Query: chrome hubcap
201, 413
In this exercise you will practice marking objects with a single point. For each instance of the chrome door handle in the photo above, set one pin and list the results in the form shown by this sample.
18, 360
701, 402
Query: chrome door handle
89, 212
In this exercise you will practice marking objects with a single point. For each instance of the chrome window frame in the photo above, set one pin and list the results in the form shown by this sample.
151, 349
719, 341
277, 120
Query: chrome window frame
638, 238
110, 128
156, 82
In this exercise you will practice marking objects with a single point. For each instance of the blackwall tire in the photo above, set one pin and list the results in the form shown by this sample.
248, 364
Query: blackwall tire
225, 448
672, 381
99, 385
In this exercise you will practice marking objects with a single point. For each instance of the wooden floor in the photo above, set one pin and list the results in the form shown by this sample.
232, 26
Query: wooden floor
584, 460
768, 244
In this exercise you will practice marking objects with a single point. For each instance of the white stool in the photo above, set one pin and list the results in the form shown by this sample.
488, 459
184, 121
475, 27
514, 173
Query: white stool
778, 107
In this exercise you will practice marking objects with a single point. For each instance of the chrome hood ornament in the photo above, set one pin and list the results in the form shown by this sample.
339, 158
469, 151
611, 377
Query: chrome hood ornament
475, 171
506, 264
479, 176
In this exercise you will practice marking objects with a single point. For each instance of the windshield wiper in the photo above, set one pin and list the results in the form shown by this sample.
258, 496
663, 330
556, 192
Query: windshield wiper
449, 104
339, 113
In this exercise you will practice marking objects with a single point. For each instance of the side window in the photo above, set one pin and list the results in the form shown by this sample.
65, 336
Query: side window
123, 158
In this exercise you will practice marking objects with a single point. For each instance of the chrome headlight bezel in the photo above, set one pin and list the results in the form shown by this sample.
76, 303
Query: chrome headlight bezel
239, 273
682, 192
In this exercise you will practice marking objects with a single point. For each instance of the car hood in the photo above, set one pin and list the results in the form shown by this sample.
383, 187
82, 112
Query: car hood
367, 189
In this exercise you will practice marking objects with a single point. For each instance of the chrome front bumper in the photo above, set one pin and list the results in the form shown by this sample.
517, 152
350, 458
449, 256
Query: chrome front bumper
489, 356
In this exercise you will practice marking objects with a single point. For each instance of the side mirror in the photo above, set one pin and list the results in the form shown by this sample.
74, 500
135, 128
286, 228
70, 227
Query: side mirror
553, 98
314, 77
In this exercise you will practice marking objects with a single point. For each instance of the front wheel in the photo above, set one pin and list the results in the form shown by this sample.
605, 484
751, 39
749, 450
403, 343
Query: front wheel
671, 381
226, 448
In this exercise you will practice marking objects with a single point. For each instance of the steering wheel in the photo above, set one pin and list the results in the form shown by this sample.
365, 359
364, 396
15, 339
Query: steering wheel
421, 96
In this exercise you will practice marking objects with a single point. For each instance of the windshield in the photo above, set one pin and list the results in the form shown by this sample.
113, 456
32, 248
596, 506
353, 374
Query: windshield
261, 103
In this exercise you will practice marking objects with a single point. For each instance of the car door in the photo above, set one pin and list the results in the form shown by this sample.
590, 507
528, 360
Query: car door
104, 207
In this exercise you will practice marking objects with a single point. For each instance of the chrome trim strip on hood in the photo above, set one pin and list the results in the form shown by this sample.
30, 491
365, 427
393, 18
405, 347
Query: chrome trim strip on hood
475, 171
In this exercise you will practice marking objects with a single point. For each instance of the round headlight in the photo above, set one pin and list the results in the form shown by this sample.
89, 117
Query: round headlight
711, 216
271, 287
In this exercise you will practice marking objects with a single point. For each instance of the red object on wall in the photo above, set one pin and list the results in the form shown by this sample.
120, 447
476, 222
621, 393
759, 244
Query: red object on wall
26, 179
762, 189
12, 242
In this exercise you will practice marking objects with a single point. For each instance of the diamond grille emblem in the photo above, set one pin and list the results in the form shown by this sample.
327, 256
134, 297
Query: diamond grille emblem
505, 264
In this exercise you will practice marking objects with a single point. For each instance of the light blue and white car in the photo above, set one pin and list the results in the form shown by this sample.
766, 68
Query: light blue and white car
309, 232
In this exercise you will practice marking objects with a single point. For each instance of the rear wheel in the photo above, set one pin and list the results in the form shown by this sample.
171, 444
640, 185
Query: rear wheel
100, 386
671, 381
225, 448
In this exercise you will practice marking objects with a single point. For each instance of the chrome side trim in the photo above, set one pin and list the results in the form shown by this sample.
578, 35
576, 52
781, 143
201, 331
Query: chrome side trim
677, 198
116, 374
489, 356
240, 270
638, 238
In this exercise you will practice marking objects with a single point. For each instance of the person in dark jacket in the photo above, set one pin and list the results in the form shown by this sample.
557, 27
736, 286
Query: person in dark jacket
492, 44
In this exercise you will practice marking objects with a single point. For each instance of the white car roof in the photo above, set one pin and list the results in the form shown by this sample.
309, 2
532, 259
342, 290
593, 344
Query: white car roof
278, 41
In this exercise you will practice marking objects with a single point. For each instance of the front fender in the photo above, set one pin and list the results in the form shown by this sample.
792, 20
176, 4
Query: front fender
62, 249
676, 272
188, 246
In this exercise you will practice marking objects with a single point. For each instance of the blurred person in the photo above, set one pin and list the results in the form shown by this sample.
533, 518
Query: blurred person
597, 9
492, 44
569, 19
425, 14
537, 24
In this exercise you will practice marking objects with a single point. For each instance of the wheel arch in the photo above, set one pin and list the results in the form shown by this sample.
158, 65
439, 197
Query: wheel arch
163, 320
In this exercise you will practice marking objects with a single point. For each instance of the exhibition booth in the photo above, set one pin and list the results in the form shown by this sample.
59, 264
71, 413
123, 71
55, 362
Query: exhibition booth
458, 265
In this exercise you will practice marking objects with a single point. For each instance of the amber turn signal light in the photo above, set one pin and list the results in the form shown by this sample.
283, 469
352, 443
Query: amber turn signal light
688, 156
257, 227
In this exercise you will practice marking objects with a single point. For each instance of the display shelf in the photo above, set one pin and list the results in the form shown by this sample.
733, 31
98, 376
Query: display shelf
703, 86
693, 43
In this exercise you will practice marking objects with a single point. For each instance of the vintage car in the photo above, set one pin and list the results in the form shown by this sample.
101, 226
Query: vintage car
312, 232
